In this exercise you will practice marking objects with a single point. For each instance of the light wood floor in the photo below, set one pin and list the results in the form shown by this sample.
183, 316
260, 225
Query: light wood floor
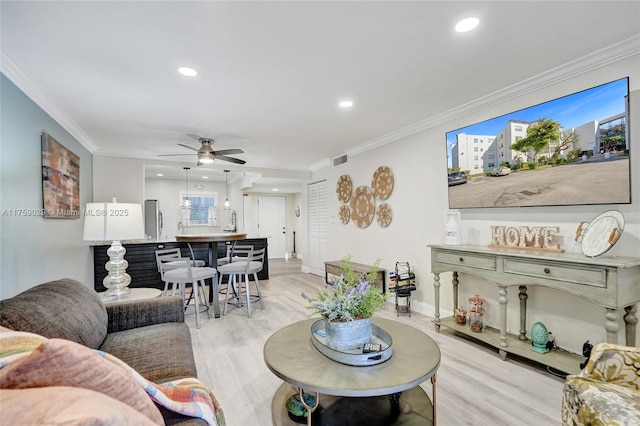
474, 386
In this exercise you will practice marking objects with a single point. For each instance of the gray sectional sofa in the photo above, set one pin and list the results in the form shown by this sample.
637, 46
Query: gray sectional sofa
150, 335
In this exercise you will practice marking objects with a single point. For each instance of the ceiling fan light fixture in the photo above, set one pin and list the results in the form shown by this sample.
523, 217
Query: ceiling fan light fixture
205, 157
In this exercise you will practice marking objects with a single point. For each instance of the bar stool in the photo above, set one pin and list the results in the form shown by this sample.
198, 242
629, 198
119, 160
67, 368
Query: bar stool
232, 251
250, 264
182, 273
175, 252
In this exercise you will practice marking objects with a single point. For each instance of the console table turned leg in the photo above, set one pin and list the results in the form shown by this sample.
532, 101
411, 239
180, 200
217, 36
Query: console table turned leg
523, 312
611, 325
502, 298
630, 320
436, 290
455, 283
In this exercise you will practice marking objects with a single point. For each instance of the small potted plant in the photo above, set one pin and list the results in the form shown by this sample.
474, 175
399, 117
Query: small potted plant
347, 305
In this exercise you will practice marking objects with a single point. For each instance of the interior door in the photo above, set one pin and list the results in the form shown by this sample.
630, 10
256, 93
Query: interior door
272, 221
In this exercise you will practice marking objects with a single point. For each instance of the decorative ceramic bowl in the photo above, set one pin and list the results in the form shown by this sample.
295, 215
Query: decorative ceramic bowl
297, 411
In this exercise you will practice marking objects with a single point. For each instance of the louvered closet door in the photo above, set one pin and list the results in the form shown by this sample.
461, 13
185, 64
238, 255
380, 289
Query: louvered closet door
318, 227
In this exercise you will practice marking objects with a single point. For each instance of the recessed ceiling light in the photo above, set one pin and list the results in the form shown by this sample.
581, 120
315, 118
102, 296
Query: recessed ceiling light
159, 175
189, 72
467, 24
345, 104
275, 189
205, 177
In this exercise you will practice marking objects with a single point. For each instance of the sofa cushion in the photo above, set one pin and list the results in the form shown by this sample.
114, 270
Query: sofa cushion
587, 401
160, 352
60, 405
59, 362
65, 309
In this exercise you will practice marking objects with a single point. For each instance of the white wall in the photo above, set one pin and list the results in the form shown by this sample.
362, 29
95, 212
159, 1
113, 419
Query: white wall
419, 202
122, 178
33, 249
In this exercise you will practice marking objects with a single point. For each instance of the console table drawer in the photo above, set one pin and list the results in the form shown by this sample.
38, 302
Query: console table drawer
595, 277
465, 259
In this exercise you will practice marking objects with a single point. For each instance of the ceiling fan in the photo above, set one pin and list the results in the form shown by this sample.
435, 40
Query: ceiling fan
207, 155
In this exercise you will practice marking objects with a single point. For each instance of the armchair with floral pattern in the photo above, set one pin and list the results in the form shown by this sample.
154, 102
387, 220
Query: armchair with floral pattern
607, 390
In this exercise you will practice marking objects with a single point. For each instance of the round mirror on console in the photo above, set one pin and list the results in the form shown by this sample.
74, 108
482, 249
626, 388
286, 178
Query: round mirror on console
599, 235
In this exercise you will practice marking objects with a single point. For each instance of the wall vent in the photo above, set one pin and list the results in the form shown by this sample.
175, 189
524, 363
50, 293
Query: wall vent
339, 160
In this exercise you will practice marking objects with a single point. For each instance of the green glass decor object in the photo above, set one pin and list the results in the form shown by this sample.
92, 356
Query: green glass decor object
296, 409
539, 338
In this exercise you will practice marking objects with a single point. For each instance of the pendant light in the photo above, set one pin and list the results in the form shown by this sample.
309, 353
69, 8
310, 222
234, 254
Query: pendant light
187, 201
227, 204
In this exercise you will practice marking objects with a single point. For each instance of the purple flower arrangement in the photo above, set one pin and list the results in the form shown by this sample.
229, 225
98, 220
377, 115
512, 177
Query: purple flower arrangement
350, 297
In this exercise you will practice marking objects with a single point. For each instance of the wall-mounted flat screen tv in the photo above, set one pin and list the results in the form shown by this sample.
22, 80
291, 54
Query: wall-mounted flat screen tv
572, 150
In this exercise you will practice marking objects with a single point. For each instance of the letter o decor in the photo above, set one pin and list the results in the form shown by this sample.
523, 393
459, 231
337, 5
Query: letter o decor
512, 237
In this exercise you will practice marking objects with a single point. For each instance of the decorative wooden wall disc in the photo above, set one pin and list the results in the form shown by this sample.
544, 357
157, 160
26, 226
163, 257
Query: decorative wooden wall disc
382, 183
363, 206
345, 214
384, 215
343, 188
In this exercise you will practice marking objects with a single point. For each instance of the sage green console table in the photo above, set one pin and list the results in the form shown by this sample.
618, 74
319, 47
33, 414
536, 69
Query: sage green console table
613, 283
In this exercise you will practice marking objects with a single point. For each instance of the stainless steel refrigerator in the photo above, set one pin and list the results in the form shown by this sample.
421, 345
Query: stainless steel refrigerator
152, 219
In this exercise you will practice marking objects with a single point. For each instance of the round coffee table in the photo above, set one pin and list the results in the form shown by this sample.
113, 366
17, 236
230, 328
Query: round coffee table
291, 356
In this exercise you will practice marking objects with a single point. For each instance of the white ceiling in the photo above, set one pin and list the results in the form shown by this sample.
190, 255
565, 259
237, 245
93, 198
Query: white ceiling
271, 73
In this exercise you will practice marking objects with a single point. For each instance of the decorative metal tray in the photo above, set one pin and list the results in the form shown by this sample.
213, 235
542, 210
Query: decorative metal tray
354, 357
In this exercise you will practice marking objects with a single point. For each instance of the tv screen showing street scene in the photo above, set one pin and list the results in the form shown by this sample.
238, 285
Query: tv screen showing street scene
572, 150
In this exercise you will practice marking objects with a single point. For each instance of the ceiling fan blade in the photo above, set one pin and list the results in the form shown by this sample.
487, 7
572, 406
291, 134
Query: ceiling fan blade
228, 151
170, 155
194, 136
188, 147
230, 159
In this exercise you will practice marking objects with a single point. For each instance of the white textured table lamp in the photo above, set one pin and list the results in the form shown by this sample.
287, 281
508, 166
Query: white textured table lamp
114, 222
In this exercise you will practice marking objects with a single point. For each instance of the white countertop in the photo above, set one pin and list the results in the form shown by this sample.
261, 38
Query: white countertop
159, 240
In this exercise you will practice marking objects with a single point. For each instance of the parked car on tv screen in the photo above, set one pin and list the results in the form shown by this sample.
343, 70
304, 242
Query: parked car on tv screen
500, 171
457, 178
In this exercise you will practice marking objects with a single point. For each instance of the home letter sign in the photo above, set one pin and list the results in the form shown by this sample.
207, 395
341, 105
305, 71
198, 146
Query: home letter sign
540, 238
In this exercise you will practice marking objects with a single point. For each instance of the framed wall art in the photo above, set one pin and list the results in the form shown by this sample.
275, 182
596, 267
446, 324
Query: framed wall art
60, 180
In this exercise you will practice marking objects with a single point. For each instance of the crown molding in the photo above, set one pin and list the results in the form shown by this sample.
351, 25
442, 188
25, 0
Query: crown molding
595, 60
320, 165
33, 92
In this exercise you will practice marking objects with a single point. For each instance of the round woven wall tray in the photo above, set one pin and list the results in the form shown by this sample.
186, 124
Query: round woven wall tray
343, 189
384, 215
345, 214
382, 183
363, 206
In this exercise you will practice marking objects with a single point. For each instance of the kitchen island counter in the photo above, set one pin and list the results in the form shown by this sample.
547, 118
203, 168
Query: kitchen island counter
142, 260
